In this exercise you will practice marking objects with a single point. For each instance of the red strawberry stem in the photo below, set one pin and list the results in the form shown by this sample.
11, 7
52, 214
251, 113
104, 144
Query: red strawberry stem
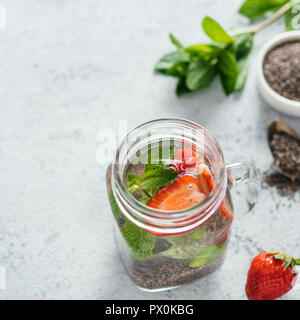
288, 260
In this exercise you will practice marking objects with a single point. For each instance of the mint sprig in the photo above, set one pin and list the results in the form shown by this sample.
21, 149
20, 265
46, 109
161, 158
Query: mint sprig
157, 173
228, 56
154, 179
197, 66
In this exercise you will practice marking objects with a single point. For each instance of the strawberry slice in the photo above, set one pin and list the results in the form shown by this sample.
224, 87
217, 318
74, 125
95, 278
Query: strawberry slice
205, 178
225, 209
222, 238
187, 156
182, 193
207, 184
186, 160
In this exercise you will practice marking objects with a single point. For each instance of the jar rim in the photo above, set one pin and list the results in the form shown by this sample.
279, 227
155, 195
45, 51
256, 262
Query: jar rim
193, 216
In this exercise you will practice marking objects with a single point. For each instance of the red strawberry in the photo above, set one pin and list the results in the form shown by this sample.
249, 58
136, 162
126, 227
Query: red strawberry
182, 193
271, 275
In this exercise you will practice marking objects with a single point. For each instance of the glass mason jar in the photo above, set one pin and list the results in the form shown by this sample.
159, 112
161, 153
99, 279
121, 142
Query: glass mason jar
164, 249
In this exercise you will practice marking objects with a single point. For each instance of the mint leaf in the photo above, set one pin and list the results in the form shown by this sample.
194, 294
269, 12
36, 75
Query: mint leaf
228, 83
133, 183
228, 64
184, 246
156, 175
152, 166
179, 69
255, 8
206, 255
205, 52
214, 30
114, 207
144, 199
168, 64
152, 180
200, 74
198, 234
178, 252
243, 47
140, 241
243, 65
176, 42
228, 69
181, 87
155, 166
292, 18
180, 249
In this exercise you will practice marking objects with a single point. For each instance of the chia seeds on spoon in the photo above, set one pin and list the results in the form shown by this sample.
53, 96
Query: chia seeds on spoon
286, 152
282, 70
284, 143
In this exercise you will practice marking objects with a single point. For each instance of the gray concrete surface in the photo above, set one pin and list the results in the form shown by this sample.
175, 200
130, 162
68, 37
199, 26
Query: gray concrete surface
70, 68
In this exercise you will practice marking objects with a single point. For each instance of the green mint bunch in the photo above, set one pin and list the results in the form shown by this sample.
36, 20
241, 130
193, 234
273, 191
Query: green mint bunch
197, 66
228, 56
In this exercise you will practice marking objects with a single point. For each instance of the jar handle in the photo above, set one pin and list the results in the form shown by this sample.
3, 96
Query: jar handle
245, 172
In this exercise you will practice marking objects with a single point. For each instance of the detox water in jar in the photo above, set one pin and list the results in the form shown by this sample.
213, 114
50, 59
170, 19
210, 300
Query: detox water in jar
162, 249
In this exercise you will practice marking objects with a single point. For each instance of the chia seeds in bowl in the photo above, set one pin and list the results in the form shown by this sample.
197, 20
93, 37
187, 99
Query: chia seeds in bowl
278, 72
281, 69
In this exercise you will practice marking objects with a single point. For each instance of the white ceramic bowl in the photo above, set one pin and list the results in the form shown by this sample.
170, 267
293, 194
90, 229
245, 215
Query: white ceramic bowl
277, 101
